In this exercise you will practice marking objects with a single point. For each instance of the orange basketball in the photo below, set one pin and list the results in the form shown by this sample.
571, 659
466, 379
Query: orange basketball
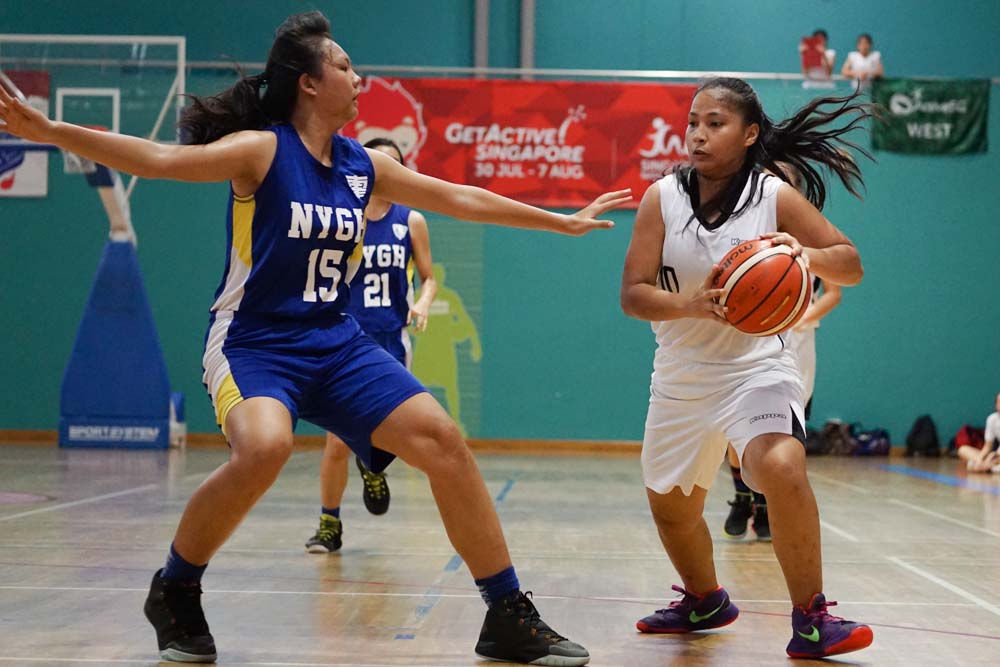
766, 289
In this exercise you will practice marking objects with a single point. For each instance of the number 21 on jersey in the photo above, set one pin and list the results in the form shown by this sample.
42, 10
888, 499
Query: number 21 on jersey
377, 290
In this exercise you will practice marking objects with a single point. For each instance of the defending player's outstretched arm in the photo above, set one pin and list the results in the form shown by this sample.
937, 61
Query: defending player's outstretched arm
404, 186
242, 157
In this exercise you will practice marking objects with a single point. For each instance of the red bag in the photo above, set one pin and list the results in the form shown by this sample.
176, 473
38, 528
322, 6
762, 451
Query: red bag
971, 436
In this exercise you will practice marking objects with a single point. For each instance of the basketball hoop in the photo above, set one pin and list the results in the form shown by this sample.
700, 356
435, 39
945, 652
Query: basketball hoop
75, 164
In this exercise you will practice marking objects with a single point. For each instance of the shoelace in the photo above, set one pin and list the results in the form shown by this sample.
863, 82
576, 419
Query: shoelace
822, 614
688, 601
525, 610
375, 483
327, 531
184, 601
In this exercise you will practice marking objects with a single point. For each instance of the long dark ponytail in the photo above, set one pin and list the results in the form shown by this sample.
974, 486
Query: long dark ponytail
257, 101
801, 141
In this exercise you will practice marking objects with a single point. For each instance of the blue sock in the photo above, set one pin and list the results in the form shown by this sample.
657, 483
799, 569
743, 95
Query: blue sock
334, 512
498, 586
178, 568
741, 487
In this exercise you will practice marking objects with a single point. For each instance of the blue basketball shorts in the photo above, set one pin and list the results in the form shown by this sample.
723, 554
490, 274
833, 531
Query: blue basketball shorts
396, 343
326, 372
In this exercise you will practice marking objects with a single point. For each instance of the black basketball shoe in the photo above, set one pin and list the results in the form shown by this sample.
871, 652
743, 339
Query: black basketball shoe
174, 609
761, 525
740, 511
329, 536
376, 494
514, 632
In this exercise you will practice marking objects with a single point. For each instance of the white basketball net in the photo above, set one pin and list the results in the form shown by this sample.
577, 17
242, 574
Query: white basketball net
74, 164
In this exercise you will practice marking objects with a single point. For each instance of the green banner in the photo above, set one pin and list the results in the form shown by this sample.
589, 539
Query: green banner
931, 117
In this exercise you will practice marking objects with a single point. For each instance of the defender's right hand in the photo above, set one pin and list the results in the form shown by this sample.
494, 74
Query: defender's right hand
21, 120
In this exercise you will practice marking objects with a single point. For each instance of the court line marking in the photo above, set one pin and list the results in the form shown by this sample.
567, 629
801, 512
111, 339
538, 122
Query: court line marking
961, 592
462, 596
125, 661
944, 517
516, 555
431, 596
96, 499
77, 503
839, 531
941, 478
837, 482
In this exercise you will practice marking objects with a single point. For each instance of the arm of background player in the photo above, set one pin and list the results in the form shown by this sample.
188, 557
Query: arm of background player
421, 241
827, 301
846, 70
879, 71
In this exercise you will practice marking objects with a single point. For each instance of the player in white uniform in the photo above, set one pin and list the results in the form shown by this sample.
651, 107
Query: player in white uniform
987, 457
712, 384
802, 342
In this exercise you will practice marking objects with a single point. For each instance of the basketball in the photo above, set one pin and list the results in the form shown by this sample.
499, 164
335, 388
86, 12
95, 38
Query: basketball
766, 289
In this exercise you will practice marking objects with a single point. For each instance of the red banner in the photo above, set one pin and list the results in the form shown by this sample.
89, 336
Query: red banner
557, 144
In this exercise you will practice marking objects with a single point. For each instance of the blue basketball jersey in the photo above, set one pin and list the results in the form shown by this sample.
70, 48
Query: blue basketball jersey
295, 244
382, 288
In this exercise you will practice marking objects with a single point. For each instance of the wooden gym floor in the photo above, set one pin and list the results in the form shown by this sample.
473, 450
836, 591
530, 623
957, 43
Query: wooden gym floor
910, 546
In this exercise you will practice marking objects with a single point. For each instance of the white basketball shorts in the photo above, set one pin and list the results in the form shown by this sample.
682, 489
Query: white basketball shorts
685, 440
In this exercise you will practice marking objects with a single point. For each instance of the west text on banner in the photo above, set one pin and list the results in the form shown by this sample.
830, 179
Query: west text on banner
931, 117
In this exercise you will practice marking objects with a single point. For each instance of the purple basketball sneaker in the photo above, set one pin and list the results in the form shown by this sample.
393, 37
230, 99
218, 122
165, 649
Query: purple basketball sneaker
691, 613
817, 634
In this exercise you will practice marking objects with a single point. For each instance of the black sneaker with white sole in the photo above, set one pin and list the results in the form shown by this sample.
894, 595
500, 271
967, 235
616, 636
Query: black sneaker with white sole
329, 536
174, 609
514, 632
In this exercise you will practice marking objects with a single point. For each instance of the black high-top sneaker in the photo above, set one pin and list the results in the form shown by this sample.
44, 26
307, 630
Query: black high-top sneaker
514, 632
174, 609
761, 525
329, 536
376, 493
740, 511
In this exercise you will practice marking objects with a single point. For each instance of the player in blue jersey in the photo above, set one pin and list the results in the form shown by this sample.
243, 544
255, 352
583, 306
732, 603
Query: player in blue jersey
382, 301
280, 346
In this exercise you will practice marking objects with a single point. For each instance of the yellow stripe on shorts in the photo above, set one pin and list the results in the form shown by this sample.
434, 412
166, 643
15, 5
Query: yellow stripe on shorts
226, 398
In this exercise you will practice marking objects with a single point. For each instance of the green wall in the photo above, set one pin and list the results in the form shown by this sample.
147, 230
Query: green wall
560, 360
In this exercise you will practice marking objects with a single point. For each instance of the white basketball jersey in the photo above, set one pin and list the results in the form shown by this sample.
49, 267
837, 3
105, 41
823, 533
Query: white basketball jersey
697, 357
